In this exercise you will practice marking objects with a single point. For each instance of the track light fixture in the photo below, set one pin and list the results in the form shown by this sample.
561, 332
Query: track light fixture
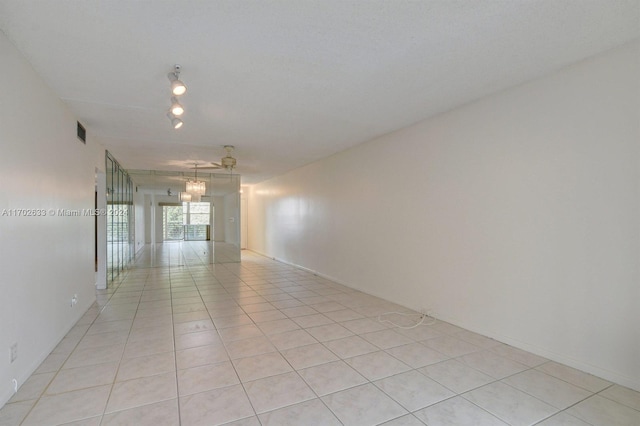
178, 88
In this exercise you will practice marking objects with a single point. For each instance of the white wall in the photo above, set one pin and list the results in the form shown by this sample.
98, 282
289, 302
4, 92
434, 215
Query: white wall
244, 222
219, 222
147, 218
140, 218
44, 260
516, 216
157, 211
231, 218
101, 229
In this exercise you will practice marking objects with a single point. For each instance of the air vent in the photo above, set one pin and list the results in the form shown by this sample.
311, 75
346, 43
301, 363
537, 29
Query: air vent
82, 133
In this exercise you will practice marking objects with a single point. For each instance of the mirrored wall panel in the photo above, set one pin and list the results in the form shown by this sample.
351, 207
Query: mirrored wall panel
120, 218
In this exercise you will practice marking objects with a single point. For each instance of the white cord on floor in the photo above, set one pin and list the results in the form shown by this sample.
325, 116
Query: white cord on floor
422, 318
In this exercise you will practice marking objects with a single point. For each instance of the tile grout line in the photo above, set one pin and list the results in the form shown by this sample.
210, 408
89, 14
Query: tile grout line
115, 377
175, 349
292, 370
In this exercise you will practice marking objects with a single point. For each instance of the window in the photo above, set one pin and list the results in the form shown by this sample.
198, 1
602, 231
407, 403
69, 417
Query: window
172, 223
188, 221
196, 213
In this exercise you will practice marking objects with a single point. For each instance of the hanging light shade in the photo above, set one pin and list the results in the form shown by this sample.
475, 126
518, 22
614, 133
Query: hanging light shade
196, 187
185, 197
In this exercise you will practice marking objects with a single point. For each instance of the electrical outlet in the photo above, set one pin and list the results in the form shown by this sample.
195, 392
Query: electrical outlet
74, 300
14, 352
14, 382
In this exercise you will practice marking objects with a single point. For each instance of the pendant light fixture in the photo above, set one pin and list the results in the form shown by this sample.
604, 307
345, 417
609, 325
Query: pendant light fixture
196, 187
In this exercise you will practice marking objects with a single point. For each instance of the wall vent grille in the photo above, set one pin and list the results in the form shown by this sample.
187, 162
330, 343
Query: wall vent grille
82, 133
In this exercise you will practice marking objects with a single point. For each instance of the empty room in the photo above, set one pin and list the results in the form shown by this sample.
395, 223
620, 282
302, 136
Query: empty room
336, 212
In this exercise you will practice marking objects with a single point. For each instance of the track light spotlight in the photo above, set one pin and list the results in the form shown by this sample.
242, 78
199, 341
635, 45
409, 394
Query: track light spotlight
176, 108
175, 121
177, 87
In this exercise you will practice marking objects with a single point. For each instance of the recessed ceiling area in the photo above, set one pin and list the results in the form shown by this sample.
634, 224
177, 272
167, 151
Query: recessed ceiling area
289, 83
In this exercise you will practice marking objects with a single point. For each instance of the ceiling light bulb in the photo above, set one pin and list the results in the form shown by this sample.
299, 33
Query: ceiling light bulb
176, 108
178, 88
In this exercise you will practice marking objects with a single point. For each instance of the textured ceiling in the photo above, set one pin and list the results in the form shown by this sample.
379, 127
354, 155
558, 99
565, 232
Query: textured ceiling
289, 82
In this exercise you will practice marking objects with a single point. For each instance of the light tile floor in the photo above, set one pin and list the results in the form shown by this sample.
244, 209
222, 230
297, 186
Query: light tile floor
262, 343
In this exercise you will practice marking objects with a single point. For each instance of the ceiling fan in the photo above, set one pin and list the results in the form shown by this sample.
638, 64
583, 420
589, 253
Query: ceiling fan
227, 162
